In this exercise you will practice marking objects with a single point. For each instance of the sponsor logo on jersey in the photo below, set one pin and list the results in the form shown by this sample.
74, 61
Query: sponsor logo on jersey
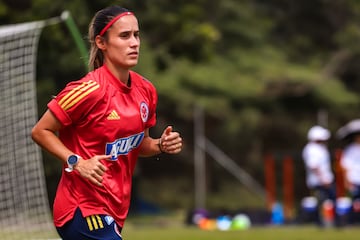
144, 111
123, 146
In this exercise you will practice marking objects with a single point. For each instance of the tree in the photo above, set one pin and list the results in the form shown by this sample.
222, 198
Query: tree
262, 69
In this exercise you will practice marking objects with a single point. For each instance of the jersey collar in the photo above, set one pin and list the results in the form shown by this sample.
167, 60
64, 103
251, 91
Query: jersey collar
115, 81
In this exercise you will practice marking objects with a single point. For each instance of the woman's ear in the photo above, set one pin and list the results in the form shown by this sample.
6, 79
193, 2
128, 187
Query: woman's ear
100, 42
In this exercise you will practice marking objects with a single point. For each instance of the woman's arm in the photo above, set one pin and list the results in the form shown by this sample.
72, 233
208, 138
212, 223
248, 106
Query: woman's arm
44, 134
169, 142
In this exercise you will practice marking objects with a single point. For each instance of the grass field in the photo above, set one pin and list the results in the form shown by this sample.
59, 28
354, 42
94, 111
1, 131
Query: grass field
181, 232
256, 233
173, 228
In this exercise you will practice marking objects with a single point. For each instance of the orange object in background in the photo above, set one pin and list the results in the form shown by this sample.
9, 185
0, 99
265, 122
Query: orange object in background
288, 187
270, 181
339, 175
328, 213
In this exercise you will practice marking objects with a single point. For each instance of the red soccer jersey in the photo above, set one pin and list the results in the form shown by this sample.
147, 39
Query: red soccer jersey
101, 115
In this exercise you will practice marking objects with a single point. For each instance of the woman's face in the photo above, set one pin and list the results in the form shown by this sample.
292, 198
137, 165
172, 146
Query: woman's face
123, 42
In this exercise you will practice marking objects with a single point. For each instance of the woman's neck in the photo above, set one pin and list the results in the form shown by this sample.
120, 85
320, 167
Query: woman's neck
120, 73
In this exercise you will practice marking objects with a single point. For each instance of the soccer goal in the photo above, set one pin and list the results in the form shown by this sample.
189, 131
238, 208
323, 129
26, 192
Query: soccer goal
24, 206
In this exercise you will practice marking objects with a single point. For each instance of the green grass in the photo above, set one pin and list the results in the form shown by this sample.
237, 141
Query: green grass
172, 227
180, 232
134, 232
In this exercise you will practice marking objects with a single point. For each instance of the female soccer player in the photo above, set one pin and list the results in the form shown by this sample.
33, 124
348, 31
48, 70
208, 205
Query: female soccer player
98, 126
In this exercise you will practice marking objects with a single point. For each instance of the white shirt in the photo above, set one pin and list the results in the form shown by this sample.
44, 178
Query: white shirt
317, 156
350, 161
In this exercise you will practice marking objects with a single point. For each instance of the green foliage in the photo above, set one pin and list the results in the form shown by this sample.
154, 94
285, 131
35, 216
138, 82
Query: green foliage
262, 69
335, 95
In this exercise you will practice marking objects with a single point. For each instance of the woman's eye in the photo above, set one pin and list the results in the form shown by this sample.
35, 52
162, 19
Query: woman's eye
124, 35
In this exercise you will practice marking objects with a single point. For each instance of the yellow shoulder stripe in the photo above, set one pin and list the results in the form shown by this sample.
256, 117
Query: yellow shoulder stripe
78, 93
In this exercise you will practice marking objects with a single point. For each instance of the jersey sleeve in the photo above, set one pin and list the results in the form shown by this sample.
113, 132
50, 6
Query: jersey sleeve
75, 101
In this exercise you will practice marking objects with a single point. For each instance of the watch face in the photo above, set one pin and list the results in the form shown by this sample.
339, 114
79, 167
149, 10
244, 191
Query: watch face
72, 159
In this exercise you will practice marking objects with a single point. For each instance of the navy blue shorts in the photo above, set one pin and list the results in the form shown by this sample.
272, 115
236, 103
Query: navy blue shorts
95, 227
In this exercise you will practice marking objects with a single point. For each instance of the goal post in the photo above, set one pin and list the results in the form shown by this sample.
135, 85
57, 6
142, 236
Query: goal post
23, 197
69, 21
24, 206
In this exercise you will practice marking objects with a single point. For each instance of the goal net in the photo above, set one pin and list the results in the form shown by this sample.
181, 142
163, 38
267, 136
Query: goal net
24, 206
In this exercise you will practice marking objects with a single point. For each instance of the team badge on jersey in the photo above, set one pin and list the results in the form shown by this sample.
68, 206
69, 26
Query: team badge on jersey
144, 111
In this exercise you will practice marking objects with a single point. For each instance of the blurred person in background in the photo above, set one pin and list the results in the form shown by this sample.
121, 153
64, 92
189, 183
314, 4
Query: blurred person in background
317, 160
350, 163
97, 127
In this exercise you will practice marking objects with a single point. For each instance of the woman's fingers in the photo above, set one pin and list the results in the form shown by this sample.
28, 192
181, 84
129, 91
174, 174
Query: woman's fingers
93, 169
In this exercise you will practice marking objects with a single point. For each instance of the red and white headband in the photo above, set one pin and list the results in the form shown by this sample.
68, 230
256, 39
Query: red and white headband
113, 21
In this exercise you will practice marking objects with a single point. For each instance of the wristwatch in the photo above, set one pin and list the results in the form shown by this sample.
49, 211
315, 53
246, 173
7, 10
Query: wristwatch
72, 161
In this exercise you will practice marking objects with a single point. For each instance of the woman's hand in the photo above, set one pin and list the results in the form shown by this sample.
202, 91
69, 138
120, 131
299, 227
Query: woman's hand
170, 142
92, 169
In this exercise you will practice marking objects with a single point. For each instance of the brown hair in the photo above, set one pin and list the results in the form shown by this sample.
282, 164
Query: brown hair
98, 22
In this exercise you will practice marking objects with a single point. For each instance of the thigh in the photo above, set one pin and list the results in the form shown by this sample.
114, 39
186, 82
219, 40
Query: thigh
95, 227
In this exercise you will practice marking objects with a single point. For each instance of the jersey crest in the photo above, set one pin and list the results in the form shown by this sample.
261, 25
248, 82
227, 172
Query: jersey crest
144, 111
